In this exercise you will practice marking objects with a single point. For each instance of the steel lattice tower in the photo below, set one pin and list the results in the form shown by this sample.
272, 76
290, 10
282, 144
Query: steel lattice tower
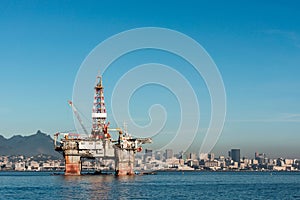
99, 114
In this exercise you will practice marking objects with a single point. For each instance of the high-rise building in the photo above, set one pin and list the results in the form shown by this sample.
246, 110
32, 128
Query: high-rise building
203, 156
148, 152
181, 155
169, 153
158, 155
148, 155
211, 156
261, 157
235, 155
192, 156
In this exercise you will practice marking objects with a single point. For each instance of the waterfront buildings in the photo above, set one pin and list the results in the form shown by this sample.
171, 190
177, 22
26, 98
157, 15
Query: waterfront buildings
157, 160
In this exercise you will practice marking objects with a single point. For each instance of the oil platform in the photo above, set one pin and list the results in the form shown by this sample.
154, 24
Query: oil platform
99, 144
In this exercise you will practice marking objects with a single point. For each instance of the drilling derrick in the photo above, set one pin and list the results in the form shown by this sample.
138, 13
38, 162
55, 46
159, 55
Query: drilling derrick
99, 115
99, 144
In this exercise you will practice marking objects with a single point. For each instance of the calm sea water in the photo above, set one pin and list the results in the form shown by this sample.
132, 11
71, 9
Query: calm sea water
164, 185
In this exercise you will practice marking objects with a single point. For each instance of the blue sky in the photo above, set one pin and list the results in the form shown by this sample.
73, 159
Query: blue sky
256, 46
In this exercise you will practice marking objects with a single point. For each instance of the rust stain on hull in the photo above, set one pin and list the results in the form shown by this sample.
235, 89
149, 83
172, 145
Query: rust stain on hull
72, 165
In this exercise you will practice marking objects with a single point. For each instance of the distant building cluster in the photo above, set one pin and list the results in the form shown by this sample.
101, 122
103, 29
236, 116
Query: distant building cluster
32, 163
160, 160
233, 162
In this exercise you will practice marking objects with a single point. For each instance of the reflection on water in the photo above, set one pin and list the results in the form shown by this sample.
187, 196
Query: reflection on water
97, 186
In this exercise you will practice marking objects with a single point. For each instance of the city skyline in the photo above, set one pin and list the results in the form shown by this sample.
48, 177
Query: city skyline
158, 161
255, 45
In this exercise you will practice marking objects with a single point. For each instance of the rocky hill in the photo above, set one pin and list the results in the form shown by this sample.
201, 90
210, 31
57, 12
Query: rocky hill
39, 143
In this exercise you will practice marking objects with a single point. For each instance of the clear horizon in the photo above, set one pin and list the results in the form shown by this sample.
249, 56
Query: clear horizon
255, 45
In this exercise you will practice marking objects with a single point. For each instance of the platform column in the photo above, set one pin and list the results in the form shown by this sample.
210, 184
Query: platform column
72, 165
124, 162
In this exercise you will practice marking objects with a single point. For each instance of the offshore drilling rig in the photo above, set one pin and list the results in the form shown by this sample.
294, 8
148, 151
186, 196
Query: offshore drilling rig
99, 144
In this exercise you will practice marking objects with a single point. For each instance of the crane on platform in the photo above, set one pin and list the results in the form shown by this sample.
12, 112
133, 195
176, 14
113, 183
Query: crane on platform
78, 117
99, 144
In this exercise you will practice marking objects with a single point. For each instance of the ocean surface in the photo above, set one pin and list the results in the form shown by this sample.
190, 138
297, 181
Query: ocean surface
163, 185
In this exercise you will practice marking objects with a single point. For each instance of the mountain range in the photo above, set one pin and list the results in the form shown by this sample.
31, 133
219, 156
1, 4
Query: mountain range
39, 143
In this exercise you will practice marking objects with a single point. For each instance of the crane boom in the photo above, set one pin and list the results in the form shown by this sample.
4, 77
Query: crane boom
78, 117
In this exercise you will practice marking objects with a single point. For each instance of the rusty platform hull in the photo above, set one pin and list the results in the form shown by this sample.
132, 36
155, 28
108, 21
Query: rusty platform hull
124, 162
72, 165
